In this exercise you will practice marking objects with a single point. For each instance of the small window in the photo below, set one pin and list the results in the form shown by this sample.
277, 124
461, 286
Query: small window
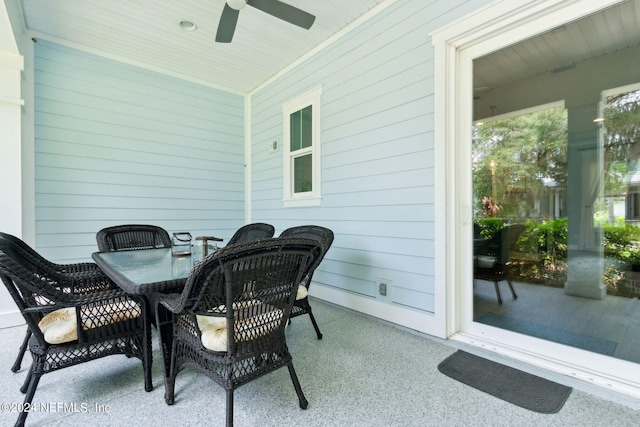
302, 150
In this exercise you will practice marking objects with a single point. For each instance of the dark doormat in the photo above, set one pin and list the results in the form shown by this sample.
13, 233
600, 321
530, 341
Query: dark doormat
504, 382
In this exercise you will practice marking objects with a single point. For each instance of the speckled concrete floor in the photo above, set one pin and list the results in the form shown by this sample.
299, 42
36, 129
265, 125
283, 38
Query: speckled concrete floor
362, 373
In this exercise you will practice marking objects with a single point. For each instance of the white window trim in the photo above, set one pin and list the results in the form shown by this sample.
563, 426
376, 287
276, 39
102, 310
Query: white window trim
491, 28
314, 197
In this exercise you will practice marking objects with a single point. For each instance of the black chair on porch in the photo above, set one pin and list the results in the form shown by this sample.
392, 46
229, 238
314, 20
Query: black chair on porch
72, 318
229, 321
324, 236
131, 237
250, 232
76, 271
491, 259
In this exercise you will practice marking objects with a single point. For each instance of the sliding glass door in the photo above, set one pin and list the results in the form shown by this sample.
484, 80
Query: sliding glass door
556, 185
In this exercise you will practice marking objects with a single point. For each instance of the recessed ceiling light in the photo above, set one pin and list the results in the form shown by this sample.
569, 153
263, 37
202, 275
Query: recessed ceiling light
187, 25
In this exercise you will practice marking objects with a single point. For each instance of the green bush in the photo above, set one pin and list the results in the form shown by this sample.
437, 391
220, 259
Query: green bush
619, 241
542, 247
490, 226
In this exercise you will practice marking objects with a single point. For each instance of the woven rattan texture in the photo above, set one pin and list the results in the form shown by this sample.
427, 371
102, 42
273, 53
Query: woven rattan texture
39, 287
325, 237
252, 286
250, 232
86, 272
132, 237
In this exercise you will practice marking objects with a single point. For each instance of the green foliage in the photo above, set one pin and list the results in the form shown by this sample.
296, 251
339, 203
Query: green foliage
547, 239
622, 121
621, 148
542, 249
490, 226
622, 243
527, 151
521, 163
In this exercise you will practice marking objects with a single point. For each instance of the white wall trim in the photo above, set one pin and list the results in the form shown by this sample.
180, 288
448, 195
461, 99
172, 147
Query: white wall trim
11, 60
11, 147
139, 64
9, 100
418, 321
247, 159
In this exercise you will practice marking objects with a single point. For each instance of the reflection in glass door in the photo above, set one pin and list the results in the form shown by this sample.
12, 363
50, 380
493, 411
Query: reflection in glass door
556, 191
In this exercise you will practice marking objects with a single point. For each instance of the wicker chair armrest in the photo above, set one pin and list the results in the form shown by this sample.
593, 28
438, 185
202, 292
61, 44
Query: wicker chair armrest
80, 301
81, 267
87, 284
172, 302
99, 296
62, 299
108, 311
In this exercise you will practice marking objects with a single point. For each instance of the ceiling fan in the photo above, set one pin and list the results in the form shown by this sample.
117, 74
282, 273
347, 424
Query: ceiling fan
276, 8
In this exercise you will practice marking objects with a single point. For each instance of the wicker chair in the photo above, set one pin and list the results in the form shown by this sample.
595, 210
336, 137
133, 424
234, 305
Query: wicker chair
491, 260
131, 237
325, 237
252, 232
229, 320
73, 317
73, 271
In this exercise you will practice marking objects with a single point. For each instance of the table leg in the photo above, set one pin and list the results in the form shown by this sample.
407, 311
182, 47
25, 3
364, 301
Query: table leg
164, 323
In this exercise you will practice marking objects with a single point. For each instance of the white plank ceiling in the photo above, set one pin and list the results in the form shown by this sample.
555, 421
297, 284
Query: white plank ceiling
147, 33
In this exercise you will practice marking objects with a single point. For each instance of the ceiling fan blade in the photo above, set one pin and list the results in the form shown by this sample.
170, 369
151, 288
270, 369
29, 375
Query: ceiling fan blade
227, 25
285, 12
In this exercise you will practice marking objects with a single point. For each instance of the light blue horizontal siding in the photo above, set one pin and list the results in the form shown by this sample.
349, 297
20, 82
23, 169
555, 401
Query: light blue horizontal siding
377, 152
119, 144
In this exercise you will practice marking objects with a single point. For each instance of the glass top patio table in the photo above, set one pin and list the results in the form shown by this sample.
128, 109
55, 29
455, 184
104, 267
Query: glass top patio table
145, 271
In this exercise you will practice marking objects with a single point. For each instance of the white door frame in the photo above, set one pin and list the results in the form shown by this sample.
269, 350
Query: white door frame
491, 28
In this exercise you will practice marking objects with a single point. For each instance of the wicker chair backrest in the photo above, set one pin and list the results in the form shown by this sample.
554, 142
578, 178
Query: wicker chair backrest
258, 270
251, 232
131, 237
321, 234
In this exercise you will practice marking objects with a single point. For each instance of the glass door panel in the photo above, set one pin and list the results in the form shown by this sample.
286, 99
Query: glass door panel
556, 189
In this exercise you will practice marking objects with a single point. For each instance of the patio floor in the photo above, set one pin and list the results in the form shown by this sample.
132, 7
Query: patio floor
362, 373
613, 320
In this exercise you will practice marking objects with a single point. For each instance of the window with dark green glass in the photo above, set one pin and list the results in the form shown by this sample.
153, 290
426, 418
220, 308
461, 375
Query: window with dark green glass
300, 141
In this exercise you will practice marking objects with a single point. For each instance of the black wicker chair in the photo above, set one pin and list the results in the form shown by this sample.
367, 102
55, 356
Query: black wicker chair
491, 259
325, 237
250, 232
73, 271
73, 317
131, 237
229, 321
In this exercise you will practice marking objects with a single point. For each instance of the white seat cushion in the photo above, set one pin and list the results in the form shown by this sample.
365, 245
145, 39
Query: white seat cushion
302, 292
213, 330
59, 326
486, 261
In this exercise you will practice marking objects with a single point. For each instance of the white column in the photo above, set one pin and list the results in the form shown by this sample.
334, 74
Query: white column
11, 66
585, 252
